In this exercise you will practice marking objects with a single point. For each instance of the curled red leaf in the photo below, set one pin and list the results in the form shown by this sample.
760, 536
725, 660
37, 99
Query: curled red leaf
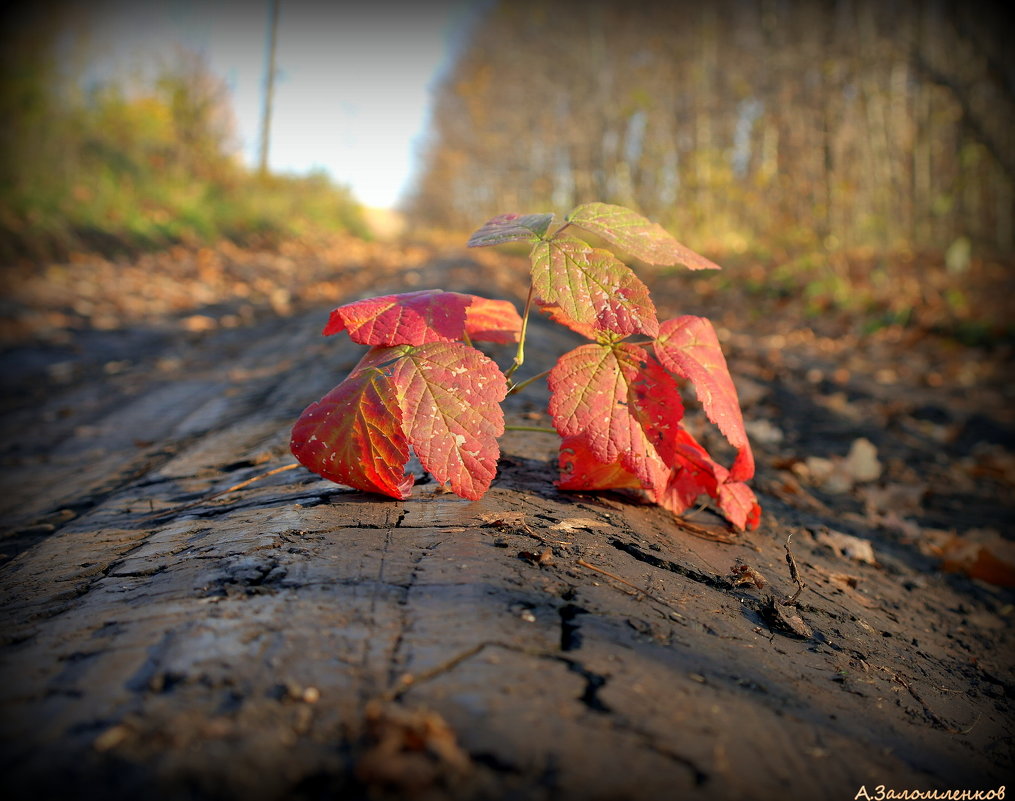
594, 398
689, 347
410, 318
440, 398
698, 473
580, 470
739, 505
354, 435
429, 315
618, 411
492, 320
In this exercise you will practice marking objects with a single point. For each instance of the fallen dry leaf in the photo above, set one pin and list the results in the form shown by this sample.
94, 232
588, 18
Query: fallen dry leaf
573, 524
199, 323
899, 498
848, 584
908, 530
785, 620
742, 574
829, 474
502, 519
408, 750
931, 541
847, 546
545, 557
837, 474
787, 488
992, 461
981, 554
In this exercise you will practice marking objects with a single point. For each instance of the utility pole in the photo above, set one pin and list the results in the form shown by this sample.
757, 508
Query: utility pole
269, 86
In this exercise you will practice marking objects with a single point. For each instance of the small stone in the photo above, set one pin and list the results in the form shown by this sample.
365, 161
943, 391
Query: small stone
862, 461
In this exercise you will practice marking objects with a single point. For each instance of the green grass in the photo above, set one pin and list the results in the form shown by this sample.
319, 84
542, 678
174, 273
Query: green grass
114, 213
135, 164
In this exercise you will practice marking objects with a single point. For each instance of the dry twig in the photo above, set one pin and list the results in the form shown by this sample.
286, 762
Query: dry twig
201, 501
794, 574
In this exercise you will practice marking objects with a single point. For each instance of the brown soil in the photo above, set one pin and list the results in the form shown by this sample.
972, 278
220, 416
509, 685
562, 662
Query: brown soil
296, 639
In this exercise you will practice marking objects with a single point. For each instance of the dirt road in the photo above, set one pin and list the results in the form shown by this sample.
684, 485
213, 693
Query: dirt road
296, 639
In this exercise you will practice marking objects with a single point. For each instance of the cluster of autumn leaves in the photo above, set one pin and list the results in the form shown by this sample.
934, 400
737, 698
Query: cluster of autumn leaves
616, 401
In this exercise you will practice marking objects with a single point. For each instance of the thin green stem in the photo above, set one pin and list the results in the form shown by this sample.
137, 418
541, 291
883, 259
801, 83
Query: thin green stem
520, 355
521, 385
466, 338
536, 429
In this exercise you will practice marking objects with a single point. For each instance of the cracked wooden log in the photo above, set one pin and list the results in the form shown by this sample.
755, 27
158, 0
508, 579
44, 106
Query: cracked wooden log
297, 639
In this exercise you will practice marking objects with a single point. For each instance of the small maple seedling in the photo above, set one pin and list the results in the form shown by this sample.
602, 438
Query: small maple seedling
615, 401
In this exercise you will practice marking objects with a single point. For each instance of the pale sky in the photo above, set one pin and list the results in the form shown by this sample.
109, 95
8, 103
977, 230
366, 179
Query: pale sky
354, 78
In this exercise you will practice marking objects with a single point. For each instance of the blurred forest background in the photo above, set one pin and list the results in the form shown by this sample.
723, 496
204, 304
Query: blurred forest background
830, 145
739, 123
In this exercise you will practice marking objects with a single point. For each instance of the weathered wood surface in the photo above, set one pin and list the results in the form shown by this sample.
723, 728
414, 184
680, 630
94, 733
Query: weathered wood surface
299, 640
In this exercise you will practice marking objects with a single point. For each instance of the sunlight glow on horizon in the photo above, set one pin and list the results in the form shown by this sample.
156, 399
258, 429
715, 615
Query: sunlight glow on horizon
353, 82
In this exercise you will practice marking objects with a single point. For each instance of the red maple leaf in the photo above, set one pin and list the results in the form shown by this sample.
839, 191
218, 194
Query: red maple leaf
424, 388
555, 313
429, 315
739, 505
656, 402
591, 287
492, 320
450, 397
618, 411
699, 473
689, 347
440, 398
695, 475
594, 398
353, 435
580, 470
590, 387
